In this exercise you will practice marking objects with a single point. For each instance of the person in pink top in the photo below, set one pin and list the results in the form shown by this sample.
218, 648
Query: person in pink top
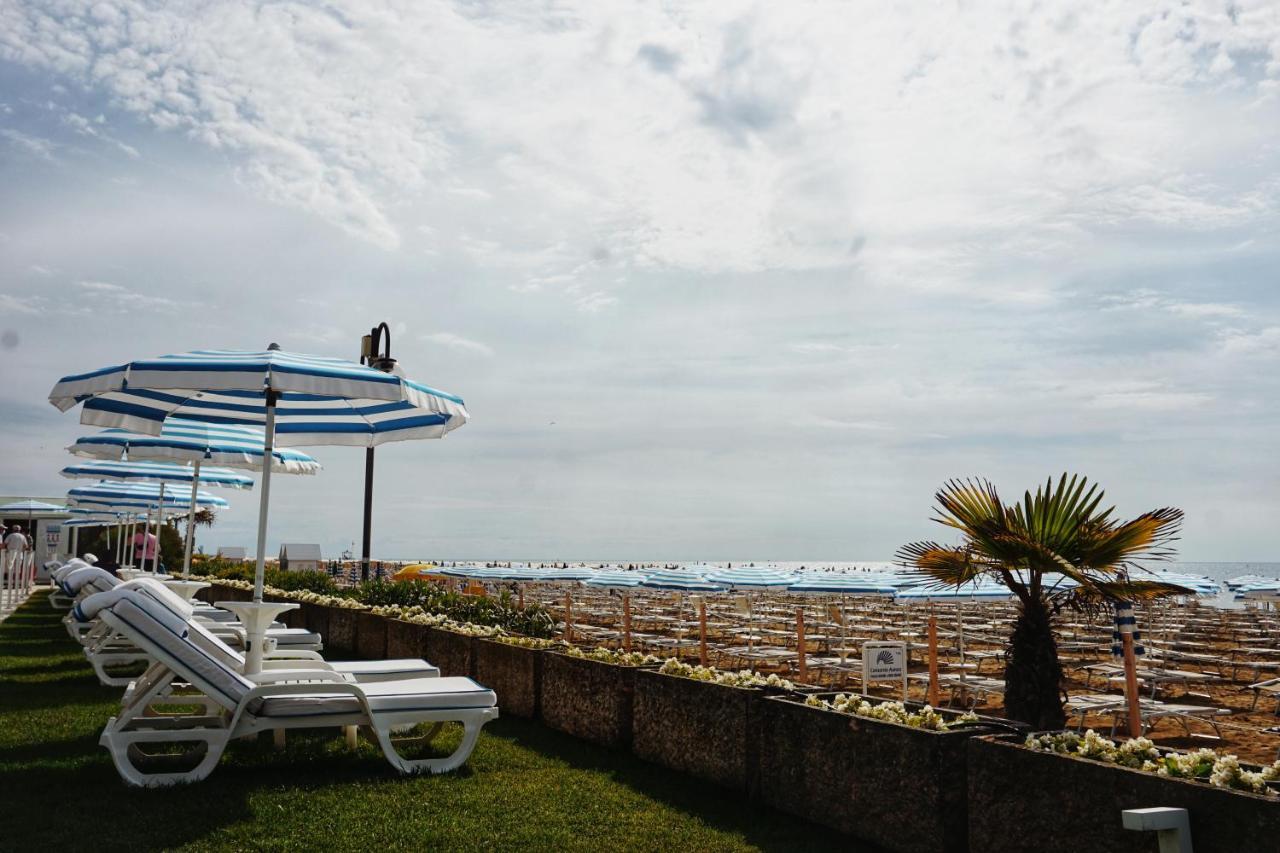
147, 552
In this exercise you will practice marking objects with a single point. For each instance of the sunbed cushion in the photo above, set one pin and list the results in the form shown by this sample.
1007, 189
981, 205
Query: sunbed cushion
149, 624
79, 578
417, 694
366, 671
164, 596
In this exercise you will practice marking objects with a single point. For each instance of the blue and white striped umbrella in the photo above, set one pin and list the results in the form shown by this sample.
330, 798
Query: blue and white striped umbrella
614, 580
565, 575
193, 441
839, 583
678, 581
321, 400
517, 572
309, 399
981, 589
143, 495
157, 472
752, 578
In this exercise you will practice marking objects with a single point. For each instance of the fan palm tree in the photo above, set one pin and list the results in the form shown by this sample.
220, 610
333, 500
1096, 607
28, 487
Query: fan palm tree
1060, 532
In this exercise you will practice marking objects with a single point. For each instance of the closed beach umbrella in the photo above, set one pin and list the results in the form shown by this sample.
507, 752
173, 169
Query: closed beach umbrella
310, 400
195, 443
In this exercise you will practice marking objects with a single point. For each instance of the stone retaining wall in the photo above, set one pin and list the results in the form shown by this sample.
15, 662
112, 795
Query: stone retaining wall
1020, 800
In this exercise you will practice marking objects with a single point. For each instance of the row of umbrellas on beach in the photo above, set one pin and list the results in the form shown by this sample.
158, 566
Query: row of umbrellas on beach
192, 408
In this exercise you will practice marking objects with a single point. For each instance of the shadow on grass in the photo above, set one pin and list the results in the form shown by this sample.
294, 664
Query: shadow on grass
260, 797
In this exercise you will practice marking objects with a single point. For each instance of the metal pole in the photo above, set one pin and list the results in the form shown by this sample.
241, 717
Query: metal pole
191, 521
268, 442
368, 513
155, 557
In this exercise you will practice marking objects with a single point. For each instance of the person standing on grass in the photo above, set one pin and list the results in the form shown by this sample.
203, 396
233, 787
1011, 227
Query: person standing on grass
145, 543
15, 549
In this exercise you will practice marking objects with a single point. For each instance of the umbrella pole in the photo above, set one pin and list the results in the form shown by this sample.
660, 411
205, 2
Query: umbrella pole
268, 440
191, 522
702, 630
626, 623
933, 658
155, 556
74, 538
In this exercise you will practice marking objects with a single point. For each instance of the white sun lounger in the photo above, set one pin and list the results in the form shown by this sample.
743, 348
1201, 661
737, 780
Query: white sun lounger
299, 700
120, 650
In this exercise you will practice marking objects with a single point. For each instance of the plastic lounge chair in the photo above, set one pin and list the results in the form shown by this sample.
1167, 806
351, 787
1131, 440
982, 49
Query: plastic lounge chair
275, 661
1271, 687
243, 708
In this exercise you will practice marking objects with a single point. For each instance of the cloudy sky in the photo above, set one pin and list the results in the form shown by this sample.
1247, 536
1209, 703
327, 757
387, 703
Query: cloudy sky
717, 280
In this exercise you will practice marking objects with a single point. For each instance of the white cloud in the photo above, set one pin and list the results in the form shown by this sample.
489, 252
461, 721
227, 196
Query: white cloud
459, 343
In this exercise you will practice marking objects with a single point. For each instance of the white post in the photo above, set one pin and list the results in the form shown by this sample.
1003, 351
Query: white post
129, 546
191, 523
74, 541
268, 441
155, 558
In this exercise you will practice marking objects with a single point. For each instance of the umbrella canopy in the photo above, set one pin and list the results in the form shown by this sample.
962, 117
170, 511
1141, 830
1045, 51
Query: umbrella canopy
565, 575
318, 400
157, 472
678, 581
128, 495
193, 441
839, 583
614, 580
979, 589
752, 577
30, 506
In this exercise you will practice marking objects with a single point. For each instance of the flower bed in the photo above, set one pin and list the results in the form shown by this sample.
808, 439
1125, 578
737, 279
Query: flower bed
588, 698
1062, 801
1203, 765
876, 776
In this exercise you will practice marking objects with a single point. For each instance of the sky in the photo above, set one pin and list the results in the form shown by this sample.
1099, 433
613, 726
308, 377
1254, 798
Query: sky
717, 281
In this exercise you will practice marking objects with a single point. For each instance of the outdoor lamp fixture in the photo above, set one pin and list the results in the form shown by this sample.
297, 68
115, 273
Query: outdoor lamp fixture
375, 351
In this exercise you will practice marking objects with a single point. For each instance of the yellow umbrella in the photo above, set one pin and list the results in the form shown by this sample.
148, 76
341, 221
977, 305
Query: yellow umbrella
413, 572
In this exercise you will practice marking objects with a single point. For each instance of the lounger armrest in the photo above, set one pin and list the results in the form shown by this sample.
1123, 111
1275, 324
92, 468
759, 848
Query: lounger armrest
1268, 683
309, 664
276, 676
326, 688
293, 654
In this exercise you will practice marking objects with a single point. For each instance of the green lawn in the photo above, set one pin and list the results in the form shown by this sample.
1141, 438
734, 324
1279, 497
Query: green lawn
524, 787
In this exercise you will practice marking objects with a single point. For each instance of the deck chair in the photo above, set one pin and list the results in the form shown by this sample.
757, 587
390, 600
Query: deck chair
242, 708
274, 661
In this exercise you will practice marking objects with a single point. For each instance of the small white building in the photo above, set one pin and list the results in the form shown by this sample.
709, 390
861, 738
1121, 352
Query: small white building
234, 554
300, 557
41, 520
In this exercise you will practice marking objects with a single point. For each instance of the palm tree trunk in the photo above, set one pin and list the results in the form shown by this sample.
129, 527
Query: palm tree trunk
1033, 673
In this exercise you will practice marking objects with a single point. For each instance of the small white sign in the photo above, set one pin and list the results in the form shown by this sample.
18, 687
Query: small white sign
884, 662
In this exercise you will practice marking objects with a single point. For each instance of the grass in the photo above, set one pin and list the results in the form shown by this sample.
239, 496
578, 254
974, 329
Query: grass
525, 786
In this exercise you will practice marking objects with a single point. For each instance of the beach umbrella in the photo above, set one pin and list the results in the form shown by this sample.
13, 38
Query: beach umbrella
751, 579
623, 583
308, 400
157, 472
195, 443
842, 584
131, 496
680, 582
167, 472
982, 589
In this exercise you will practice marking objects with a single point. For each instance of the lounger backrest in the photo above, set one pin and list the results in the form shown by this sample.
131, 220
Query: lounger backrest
149, 624
90, 578
153, 588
